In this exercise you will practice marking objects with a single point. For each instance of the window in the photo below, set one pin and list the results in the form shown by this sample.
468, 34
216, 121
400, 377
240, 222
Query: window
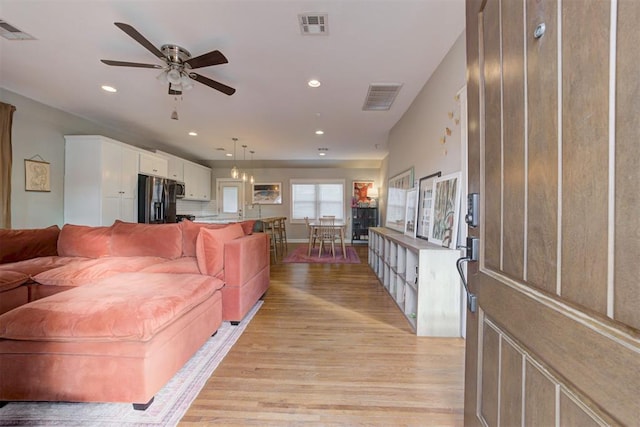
313, 199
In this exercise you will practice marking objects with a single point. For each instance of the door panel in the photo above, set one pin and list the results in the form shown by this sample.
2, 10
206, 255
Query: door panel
493, 135
490, 375
513, 130
542, 146
627, 161
540, 405
585, 147
511, 385
553, 342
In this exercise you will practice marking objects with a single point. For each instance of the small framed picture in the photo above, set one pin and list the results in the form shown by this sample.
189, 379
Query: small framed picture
361, 194
37, 176
266, 193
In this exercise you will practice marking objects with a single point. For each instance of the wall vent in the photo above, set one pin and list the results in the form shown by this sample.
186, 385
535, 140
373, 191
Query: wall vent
313, 24
380, 96
10, 32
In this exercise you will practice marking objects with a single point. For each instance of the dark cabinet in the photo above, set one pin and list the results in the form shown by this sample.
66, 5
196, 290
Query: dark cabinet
361, 220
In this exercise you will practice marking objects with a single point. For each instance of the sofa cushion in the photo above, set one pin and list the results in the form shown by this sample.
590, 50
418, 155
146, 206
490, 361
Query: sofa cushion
84, 241
184, 265
190, 232
127, 307
12, 279
160, 240
33, 266
18, 245
210, 247
91, 270
247, 226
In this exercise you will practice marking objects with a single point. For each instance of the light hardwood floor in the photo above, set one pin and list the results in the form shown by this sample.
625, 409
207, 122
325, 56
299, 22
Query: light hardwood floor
329, 347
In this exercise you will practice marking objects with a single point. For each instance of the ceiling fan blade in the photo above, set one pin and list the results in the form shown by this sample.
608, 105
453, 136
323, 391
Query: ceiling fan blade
129, 64
134, 34
212, 83
214, 57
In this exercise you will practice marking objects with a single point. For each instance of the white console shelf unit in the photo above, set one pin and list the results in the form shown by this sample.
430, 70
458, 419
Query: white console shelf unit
422, 279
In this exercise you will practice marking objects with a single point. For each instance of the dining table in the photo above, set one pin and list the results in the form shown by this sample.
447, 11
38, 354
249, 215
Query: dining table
339, 229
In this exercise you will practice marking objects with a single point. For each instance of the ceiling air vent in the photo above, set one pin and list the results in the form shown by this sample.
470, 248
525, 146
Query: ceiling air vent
10, 32
380, 96
313, 24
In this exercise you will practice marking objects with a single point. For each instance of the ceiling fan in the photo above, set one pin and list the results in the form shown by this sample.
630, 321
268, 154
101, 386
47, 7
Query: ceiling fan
178, 64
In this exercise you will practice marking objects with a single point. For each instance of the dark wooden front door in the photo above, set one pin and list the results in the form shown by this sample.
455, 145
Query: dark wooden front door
554, 152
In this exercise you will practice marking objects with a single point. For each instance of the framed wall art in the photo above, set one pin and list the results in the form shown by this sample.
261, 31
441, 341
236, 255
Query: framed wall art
397, 198
266, 193
425, 205
361, 196
37, 175
446, 210
410, 212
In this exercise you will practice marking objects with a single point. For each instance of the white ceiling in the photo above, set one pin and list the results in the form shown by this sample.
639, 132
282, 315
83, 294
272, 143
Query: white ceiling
273, 112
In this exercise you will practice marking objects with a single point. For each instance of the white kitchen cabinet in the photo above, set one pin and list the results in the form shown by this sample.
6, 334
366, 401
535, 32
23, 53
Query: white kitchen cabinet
197, 182
100, 180
175, 166
152, 164
422, 279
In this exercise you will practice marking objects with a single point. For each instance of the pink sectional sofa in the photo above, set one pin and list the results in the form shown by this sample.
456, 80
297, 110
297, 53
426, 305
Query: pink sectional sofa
110, 314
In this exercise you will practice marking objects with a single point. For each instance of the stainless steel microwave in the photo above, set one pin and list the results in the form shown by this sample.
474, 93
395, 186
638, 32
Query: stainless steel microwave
180, 189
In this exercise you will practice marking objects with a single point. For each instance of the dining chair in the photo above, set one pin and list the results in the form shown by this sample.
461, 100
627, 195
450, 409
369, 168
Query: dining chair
312, 232
327, 234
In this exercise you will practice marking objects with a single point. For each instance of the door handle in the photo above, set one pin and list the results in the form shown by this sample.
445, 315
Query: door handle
472, 255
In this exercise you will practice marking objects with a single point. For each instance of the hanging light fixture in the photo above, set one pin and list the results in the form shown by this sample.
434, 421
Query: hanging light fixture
244, 160
234, 169
251, 180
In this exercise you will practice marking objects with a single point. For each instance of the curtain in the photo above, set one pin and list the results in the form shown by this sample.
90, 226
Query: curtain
6, 120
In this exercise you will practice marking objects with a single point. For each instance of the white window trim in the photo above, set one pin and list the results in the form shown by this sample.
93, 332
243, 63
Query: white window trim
292, 182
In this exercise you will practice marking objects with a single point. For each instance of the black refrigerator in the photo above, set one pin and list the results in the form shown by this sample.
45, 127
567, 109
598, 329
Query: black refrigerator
156, 200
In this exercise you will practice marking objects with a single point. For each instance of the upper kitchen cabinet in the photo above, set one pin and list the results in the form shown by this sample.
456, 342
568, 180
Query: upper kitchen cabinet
175, 166
100, 180
197, 182
154, 165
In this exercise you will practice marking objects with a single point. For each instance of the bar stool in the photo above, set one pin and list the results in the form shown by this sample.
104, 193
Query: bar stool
281, 232
269, 229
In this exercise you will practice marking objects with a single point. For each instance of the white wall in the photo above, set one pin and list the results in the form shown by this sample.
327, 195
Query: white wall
39, 130
415, 141
285, 175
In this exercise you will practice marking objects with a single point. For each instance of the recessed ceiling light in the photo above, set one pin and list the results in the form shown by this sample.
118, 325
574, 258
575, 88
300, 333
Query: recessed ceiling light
192, 133
229, 155
322, 154
314, 83
109, 88
319, 132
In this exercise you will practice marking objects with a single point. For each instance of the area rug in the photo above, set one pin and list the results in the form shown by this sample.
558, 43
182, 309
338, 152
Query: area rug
168, 408
299, 255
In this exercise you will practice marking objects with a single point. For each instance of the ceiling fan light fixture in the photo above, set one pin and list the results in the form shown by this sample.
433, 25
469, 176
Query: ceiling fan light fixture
174, 76
185, 81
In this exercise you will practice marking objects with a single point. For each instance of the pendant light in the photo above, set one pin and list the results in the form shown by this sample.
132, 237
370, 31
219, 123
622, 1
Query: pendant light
244, 161
234, 169
251, 180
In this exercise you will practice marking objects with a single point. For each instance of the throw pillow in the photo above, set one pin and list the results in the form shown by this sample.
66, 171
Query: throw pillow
210, 247
84, 241
18, 245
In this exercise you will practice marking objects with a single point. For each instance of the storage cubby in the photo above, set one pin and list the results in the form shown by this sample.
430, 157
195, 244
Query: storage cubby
422, 279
